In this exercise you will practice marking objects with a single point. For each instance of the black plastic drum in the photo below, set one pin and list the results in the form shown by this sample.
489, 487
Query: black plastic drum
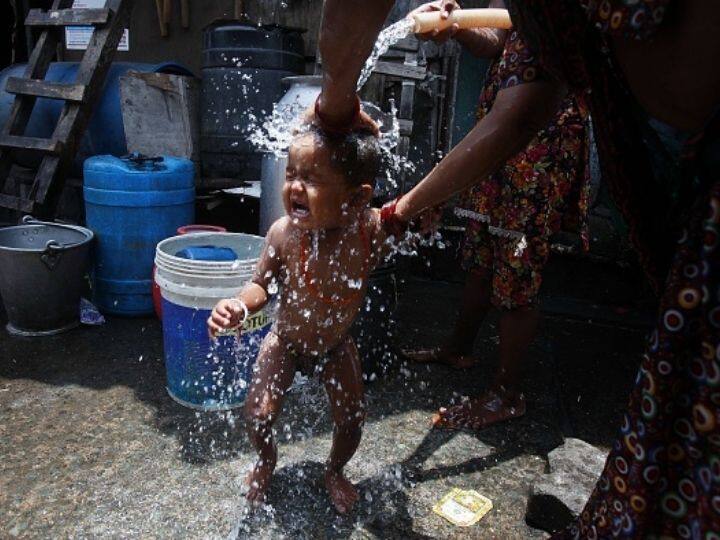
243, 66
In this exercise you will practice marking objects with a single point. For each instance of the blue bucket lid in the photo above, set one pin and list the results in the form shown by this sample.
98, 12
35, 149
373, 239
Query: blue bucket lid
207, 253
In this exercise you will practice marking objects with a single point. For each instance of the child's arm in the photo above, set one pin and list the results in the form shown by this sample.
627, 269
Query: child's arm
232, 312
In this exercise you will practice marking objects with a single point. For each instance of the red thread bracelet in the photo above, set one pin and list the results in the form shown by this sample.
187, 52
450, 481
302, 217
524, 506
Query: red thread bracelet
389, 219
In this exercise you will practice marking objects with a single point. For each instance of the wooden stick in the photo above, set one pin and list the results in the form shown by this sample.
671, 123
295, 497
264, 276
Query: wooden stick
167, 11
464, 18
161, 21
238, 9
185, 13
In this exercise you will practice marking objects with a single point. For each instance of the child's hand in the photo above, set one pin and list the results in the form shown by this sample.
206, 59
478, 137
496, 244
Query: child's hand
227, 313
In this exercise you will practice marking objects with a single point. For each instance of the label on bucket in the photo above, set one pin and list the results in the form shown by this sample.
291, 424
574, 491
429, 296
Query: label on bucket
257, 321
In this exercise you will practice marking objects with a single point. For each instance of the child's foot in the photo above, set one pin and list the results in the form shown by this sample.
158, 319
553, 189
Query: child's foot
440, 355
342, 493
258, 481
481, 412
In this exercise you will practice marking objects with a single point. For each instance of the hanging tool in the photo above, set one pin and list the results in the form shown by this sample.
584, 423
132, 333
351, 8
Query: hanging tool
185, 13
161, 19
167, 11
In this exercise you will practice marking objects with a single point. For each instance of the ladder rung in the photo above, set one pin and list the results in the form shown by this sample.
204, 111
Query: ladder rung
16, 203
19, 142
45, 89
68, 17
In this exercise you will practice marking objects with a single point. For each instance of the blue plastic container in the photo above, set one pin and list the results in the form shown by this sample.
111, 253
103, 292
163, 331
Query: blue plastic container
131, 205
105, 133
204, 374
207, 253
207, 375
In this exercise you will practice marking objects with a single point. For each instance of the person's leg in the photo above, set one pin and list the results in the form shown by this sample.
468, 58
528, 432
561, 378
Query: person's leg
342, 376
272, 376
517, 332
473, 310
516, 282
477, 256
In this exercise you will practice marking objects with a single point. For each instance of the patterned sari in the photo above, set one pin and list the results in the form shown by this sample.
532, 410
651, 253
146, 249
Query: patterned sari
662, 476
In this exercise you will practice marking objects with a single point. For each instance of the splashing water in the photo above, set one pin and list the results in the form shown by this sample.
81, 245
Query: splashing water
386, 39
275, 134
278, 130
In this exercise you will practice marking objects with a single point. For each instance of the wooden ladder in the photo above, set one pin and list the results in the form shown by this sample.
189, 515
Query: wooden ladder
58, 152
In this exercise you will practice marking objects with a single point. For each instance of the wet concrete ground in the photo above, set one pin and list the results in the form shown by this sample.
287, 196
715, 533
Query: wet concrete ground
92, 446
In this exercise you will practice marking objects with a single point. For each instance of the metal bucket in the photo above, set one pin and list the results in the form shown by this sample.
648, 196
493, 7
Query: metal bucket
42, 266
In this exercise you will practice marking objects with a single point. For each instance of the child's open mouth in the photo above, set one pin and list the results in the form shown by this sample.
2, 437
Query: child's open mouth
299, 210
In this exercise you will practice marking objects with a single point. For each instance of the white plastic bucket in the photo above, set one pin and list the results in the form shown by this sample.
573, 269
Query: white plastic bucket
202, 374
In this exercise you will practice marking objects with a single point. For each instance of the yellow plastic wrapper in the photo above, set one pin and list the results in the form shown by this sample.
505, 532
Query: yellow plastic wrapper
463, 507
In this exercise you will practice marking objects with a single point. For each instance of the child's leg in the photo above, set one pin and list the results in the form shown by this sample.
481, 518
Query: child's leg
272, 376
342, 376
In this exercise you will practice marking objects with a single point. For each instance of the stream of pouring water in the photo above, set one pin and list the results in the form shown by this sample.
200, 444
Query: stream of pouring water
275, 133
386, 39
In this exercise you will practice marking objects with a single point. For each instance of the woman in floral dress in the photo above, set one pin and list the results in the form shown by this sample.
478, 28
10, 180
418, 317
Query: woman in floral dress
511, 215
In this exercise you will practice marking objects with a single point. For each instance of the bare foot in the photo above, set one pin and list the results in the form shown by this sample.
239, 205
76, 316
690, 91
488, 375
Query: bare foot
258, 481
440, 355
342, 493
480, 412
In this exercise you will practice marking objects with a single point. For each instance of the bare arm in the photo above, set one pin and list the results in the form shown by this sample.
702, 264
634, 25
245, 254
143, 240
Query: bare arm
482, 42
517, 115
267, 270
348, 33
230, 312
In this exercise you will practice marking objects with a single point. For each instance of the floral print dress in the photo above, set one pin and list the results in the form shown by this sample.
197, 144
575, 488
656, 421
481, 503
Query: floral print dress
514, 211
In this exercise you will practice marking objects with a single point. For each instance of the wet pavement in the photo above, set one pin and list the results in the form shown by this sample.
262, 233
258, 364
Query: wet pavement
92, 445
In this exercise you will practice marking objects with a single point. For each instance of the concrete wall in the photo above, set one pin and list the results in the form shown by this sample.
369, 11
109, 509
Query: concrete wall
184, 45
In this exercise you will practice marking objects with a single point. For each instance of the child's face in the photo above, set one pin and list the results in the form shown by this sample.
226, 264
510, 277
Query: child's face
315, 194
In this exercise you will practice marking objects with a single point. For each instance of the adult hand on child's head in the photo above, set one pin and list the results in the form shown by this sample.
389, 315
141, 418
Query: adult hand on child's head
359, 123
227, 313
445, 7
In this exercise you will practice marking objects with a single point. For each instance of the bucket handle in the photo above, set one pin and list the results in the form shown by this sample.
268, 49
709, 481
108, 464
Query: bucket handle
26, 220
51, 256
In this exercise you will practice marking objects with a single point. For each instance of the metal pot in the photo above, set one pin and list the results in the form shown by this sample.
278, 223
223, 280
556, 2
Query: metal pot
42, 266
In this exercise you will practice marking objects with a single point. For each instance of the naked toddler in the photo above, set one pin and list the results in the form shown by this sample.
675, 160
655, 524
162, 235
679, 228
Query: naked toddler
319, 256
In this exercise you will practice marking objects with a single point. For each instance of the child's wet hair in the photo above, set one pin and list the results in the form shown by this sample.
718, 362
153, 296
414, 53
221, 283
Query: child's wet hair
355, 155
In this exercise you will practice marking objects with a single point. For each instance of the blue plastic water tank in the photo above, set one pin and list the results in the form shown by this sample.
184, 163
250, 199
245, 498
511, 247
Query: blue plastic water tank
132, 204
105, 133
